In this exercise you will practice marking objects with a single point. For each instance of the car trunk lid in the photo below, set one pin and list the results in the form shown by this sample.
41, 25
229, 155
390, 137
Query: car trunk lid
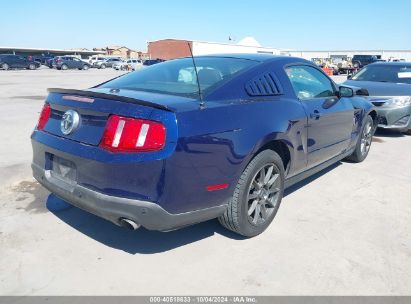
94, 107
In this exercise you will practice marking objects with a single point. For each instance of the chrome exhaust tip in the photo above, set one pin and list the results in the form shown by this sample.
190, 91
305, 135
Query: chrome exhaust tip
129, 224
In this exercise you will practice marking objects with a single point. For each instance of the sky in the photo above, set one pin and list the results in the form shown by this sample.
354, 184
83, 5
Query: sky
288, 24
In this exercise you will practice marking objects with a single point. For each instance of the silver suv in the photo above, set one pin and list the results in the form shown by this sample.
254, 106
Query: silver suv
106, 63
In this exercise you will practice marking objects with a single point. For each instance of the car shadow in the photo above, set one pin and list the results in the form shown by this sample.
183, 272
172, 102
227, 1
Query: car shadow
310, 179
388, 133
141, 241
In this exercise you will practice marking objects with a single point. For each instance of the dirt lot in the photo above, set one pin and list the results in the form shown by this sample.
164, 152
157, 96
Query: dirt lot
344, 231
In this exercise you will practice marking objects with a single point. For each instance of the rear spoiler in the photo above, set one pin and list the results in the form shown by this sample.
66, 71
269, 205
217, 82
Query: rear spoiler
108, 96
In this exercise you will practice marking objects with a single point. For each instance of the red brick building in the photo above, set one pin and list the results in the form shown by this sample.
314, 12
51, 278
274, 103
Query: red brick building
169, 49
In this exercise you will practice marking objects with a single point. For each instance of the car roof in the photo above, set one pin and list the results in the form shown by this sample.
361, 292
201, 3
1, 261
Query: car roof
260, 57
249, 56
395, 63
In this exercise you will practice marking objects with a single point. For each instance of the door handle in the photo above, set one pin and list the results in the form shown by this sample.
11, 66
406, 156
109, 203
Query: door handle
315, 115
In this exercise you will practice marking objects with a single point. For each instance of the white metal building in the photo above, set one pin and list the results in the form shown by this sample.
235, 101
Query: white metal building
385, 54
246, 45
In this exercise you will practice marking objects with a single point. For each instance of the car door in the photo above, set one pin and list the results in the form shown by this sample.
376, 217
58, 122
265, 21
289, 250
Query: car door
10, 60
67, 61
77, 63
20, 62
71, 63
330, 119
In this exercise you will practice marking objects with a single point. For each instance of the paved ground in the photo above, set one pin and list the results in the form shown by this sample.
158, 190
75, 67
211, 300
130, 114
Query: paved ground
345, 231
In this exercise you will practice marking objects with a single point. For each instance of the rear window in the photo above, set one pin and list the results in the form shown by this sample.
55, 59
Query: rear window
385, 73
178, 77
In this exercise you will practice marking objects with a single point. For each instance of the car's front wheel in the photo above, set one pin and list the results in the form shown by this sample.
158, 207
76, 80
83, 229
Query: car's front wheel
64, 67
85, 67
257, 195
32, 66
5, 66
103, 66
364, 141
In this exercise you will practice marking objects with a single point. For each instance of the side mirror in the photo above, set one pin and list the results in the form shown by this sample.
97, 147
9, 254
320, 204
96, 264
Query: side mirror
346, 92
362, 92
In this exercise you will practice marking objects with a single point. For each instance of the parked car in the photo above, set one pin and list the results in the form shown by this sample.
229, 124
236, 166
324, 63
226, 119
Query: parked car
69, 62
95, 58
106, 63
148, 148
10, 61
129, 64
49, 62
360, 61
35, 58
42, 59
343, 64
389, 87
45, 59
149, 62
395, 59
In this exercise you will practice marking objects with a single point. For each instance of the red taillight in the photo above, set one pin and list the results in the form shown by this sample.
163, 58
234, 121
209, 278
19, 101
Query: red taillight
44, 116
125, 134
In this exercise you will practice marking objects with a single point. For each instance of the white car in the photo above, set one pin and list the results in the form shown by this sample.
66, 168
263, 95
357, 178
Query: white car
94, 59
129, 64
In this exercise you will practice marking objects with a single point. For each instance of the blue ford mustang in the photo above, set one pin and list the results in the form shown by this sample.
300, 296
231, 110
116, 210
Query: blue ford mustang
186, 141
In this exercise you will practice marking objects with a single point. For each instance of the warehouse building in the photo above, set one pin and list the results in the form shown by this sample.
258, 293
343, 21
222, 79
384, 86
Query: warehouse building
83, 53
383, 54
175, 48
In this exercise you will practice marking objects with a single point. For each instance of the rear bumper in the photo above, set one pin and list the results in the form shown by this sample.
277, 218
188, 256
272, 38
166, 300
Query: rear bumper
113, 208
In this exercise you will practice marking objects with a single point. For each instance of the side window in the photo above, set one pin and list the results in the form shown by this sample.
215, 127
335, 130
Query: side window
308, 82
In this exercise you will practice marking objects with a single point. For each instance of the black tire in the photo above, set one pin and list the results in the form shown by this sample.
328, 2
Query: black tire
103, 66
364, 141
32, 66
5, 66
64, 67
85, 67
237, 217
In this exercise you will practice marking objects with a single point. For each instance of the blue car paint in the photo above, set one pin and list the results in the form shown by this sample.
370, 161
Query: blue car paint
204, 147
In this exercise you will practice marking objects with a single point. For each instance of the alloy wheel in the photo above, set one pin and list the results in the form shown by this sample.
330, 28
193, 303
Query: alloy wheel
263, 194
366, 138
